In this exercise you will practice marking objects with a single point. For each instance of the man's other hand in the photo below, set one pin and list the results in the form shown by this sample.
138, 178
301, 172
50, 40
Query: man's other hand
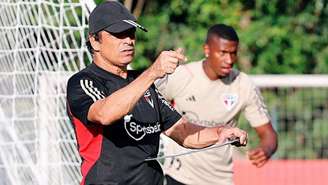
258, 156
226, 133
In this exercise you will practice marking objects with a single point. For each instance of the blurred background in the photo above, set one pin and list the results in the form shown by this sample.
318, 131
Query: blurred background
283, 46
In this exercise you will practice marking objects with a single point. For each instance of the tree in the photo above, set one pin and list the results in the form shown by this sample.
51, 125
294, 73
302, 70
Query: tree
277, 37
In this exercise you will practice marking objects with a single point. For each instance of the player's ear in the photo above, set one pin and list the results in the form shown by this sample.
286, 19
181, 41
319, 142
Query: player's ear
206, 50
95, 41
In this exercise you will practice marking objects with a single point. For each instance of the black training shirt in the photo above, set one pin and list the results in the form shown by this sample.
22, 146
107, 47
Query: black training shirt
115, 154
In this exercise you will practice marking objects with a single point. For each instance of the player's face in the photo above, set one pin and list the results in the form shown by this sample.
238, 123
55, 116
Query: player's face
221, 55
117, 48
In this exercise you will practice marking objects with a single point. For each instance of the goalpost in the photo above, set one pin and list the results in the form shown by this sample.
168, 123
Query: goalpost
42, 43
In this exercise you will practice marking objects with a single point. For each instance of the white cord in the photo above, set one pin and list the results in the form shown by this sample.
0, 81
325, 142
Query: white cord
193, 151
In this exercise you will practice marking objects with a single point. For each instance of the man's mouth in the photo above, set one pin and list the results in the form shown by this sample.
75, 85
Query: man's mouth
226, 69
127, 49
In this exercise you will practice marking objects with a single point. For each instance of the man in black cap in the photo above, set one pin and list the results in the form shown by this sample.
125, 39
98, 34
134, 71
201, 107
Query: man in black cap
118, 114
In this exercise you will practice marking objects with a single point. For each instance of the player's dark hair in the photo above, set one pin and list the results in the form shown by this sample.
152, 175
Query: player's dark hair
88, 43
222, 31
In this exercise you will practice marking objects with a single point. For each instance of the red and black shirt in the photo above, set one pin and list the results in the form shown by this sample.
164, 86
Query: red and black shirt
115, 154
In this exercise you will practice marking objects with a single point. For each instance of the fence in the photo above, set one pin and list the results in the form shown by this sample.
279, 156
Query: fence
298, 105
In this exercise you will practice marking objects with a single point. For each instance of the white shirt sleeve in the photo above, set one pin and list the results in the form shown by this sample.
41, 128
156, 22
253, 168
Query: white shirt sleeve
256, 111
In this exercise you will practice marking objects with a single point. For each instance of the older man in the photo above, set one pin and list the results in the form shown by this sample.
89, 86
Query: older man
118, 114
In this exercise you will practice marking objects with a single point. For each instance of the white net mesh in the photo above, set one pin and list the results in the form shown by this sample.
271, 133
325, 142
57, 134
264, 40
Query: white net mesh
42, 41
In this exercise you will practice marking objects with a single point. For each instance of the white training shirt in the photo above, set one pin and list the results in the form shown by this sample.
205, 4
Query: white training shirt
209, 103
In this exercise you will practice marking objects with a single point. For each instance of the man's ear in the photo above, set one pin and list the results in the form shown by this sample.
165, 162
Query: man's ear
206, 50
95, 42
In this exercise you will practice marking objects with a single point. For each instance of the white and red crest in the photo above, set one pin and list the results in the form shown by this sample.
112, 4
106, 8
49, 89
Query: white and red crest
230, 100
147, 97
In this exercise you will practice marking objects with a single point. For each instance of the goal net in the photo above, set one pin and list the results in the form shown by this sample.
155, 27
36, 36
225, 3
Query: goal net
298, 105
42, 43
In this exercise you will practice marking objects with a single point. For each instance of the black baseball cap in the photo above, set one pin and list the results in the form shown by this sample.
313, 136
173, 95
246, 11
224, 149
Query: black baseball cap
113, 17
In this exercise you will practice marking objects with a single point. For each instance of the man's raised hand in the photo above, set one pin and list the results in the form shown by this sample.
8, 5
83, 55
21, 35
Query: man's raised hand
167, 62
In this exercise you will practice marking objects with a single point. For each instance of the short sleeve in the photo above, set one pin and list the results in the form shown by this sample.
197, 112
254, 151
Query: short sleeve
168, 115
256, 111
173, 85
82, 92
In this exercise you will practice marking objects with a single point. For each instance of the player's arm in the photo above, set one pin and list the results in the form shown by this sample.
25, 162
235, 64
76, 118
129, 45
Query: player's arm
268, 145
193, 136
122, 101
256, 113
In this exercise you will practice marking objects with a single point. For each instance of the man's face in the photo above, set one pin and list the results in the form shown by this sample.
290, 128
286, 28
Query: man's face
221, 55
117, 48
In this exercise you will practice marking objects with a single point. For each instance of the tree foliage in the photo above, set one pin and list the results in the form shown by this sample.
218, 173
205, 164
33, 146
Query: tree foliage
277, 37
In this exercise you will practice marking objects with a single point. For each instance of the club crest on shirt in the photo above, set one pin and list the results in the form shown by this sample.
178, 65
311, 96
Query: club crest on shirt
230, 100
147, 97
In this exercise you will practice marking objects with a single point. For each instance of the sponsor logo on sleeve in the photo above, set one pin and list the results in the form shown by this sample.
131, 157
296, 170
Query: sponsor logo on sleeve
163, 100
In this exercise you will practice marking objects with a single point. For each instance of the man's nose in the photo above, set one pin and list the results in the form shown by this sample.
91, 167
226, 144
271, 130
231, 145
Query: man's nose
129, 40
229, 59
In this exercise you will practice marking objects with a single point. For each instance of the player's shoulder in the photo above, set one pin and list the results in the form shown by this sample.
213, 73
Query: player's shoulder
190, 69
193, 66
242, 78
237, 77
240, 75
81, 75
